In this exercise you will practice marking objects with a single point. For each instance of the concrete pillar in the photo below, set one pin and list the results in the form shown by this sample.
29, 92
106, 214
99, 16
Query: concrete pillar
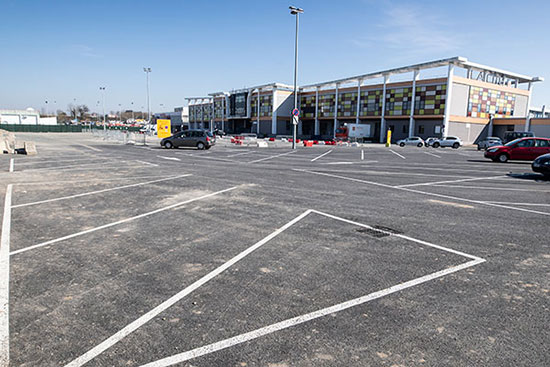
258, 114
411, 116
358, 100
383, 115
335, 112
448, 96
490, 128
317, 125
223, 113
212, 116
274, 115
527, 117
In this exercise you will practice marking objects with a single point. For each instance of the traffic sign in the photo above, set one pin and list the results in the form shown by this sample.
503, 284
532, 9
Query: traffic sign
296, 112
163, 128
295, 120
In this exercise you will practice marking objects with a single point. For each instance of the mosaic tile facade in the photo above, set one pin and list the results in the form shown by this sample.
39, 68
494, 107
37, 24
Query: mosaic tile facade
326, 105
430, 100
347, 104
484, 101
266, 105
307, 106
371, 103
200, 112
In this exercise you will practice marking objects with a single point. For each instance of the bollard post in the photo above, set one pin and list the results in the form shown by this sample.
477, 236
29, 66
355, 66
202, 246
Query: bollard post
388, 139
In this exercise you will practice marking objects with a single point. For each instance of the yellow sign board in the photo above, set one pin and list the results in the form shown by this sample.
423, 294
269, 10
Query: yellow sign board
163, 128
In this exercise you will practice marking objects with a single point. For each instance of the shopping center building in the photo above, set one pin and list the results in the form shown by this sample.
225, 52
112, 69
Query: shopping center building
444, 97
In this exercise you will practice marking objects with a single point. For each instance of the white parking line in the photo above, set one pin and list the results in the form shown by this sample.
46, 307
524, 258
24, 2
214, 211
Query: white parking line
133, 326
272, 156
452, 181
433, 155
424, 193
98, 191
526, 204
50, 182
242, 153
169, 158
492, 188
397, 154
321, 156
89, 147
239, 339
147, 163
5, 280
108, 225
11, 165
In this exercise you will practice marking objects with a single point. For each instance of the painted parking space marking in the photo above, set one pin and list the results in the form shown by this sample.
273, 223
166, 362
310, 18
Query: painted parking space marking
397, 154
433, 155
147, 163
425, 193
89, 147
12, 163
493, 188
237, 154
278, 326
128, 329
5, 280
456, 205
271, 157
108, 225
99, 191
452, 181
169, 158
321, 156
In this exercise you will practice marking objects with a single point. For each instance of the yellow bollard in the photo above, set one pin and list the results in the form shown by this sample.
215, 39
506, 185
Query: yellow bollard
388, 139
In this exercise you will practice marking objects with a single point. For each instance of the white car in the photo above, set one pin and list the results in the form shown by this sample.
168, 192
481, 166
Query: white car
449, 141
413, 140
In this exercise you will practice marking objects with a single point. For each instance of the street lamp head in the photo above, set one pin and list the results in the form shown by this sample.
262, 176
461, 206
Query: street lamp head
294, 10
147, 70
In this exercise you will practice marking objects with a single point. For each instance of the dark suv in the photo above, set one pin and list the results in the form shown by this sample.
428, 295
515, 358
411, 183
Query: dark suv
513, 135
199, 139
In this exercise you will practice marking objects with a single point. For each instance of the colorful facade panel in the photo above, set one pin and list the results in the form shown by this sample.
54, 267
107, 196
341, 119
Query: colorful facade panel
326, 105
266, 105
307, 106
430, 100
484, 102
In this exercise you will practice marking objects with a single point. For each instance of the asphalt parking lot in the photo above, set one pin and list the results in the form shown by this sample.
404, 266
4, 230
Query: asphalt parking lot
237, 256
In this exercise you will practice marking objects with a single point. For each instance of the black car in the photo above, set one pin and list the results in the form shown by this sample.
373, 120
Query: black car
199, 139
513, 135
542, 165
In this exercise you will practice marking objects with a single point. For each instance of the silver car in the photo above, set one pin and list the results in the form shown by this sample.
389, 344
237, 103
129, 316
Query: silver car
488, 142
413, 140
449, 141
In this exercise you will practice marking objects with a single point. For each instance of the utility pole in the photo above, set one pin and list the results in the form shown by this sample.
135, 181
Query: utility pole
295, 119
147, 71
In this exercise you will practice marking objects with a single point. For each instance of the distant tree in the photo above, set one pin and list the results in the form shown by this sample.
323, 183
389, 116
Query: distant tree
62, 117
82, 111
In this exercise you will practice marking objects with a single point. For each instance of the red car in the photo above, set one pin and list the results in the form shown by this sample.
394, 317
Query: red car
524, 149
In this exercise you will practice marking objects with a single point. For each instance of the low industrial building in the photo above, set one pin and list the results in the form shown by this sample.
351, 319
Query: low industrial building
414, 100
29, 116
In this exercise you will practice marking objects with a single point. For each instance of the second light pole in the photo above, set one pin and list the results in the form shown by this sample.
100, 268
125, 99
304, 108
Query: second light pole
147, 71
295, 118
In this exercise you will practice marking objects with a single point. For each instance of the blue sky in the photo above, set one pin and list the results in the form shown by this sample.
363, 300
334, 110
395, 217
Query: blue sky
62, 50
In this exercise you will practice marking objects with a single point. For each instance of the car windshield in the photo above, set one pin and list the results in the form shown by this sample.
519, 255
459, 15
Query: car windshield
513, 142
209, 134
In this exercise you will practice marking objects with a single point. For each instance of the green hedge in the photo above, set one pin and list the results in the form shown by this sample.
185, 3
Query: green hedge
42, 128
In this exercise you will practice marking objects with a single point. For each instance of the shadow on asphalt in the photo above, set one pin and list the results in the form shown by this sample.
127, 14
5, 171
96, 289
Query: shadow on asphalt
529, 176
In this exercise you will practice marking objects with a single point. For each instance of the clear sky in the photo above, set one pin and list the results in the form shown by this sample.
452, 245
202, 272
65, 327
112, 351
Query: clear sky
62, 50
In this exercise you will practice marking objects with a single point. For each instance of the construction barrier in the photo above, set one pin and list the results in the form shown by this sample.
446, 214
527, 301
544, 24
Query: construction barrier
42, 128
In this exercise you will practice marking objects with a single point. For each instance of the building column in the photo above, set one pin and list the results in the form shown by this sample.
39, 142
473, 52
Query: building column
273, 115
202, 113
358, 100
383, 114
258, 113
317, 125
527, 117
411, 116
223, 113
212, 116
448, 96
490, 128
335, 111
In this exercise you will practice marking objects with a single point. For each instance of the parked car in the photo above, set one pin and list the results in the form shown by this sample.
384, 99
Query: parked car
200, 139
413, 140
430, 142
524, 149
542, 165
449, 141
488, 142
219, 132
513, 135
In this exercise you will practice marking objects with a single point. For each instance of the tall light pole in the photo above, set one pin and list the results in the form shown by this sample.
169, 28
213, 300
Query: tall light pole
120, 109
295, 119
133, 120
75, 111
102, 89
147, 71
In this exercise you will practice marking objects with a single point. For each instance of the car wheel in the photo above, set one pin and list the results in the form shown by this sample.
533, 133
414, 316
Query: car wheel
168, 145
456, 145
208, 147
419, 145
436, 145
502, 158
200, 145
478, 148
402, 145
